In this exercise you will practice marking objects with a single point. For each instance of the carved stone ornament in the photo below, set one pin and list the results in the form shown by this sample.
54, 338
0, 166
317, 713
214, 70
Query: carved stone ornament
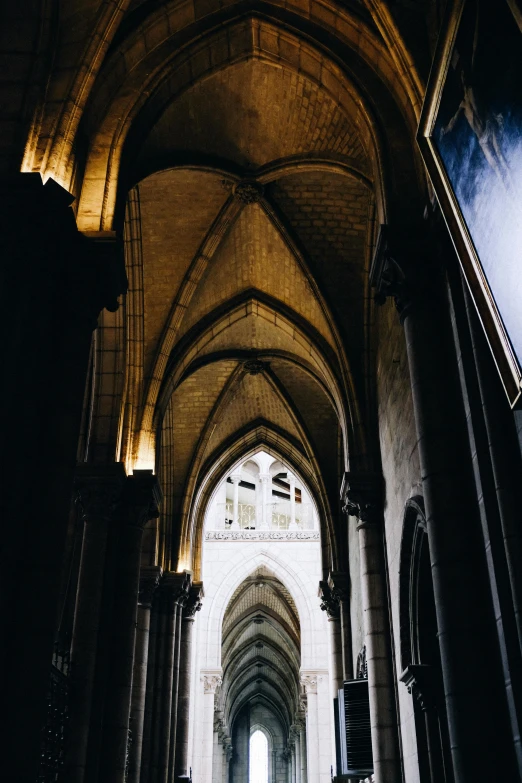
248, 192
361, 495
194, 601
418, 678
309, 681
149, 581
142, 498
262, 535
99, 492
211, 682
395, 269
338, 584
175, 588
330, 603
255, 366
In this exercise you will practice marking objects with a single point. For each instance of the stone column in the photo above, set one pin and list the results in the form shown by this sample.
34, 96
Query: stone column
149, 580
331, 605
100, 496
338, 584
236, 478
266, 516
148, 719
217, 765
293, 766
192, 606
302, 744
142, 498
309, 681
293, 523
287, 759
55, 282
297, 751
405, 268
228, 758
173, 590
362, 498
211, 680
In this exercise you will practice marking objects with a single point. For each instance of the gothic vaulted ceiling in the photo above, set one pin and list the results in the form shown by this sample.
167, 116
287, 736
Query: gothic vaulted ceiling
247, 151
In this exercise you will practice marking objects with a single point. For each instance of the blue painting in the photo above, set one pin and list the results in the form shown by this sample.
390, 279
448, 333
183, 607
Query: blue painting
478, 136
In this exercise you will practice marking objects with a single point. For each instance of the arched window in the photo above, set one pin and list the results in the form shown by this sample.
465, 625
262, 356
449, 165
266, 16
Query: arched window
258, 758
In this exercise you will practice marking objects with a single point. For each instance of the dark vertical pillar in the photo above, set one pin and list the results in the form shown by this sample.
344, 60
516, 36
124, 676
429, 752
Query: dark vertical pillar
338, 583
141, 500
173, 593
149, 580
148, 718
100, 495
192, 606
53, 285
362, 499
404, 267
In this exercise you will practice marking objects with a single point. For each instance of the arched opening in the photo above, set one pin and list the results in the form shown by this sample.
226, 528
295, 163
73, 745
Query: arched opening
258, 770
420, 649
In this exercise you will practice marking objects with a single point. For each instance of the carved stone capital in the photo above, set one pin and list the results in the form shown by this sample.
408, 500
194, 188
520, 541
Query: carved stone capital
419, 680
248, 191
100, 492
211, 681
194, 601
330, 603
142, 498
309, 681
149, 580
338, 584
361, 495
403, 265
175, 588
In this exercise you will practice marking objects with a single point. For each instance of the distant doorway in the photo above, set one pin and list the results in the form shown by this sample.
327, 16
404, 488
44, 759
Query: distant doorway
258, 772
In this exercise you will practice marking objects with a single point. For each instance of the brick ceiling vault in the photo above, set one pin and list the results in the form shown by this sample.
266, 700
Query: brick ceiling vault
247, 151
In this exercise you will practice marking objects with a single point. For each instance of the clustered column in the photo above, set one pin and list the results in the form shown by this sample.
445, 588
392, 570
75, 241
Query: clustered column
149, 580
115, 509
362, 497
407, 269
192, 606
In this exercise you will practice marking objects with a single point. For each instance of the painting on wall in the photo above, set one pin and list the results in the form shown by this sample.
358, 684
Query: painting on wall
470, 136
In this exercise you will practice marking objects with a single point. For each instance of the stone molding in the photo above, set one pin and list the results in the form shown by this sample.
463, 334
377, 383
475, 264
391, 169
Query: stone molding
262, 535
361, 496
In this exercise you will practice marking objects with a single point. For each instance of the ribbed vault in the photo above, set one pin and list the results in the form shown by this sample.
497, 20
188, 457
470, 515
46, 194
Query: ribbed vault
249, 151
261, 648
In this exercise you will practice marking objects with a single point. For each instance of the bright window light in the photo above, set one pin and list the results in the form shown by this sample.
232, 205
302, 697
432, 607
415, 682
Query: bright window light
258, 758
